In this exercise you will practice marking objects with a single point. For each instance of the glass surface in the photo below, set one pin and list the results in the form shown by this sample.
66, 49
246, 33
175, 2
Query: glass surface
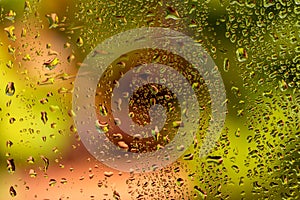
146, 99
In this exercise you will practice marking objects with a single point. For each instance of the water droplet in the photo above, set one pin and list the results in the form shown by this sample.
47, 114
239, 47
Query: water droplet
116, 195
52, 182
9, 143
54, 108
27, 6
12, 120
102, 126
235, 168
51, 63
71, 113
10, 32
26, 57
180, 148
123, 145
180, 182
70, 58
24, 32
44, 117
226, 65
103, 110
100, 183
79, 42
10, 64
189, 156
12, 191
201, 192
30, 160
108, 174
63, 181
11, 15
215, 159
32, 173
10, 89
11, 168
46, 163
283, 85
237, 132
53, 20
172, 14
268, 3
177, 124
241, 54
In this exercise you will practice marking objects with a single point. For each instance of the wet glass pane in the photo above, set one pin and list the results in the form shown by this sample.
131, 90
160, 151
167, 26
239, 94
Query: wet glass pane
146, 99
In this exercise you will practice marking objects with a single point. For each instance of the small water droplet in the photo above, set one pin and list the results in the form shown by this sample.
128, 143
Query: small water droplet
241, 54
52, 182
44, 117
10, 89
51, 63
63, 181
10, 32
79, 42
103, 110
11, 15
226, 65
108, 174
12, 191
123, 145
9, 143
46, 163
237, 132
32, 173
11, 165
53, 20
